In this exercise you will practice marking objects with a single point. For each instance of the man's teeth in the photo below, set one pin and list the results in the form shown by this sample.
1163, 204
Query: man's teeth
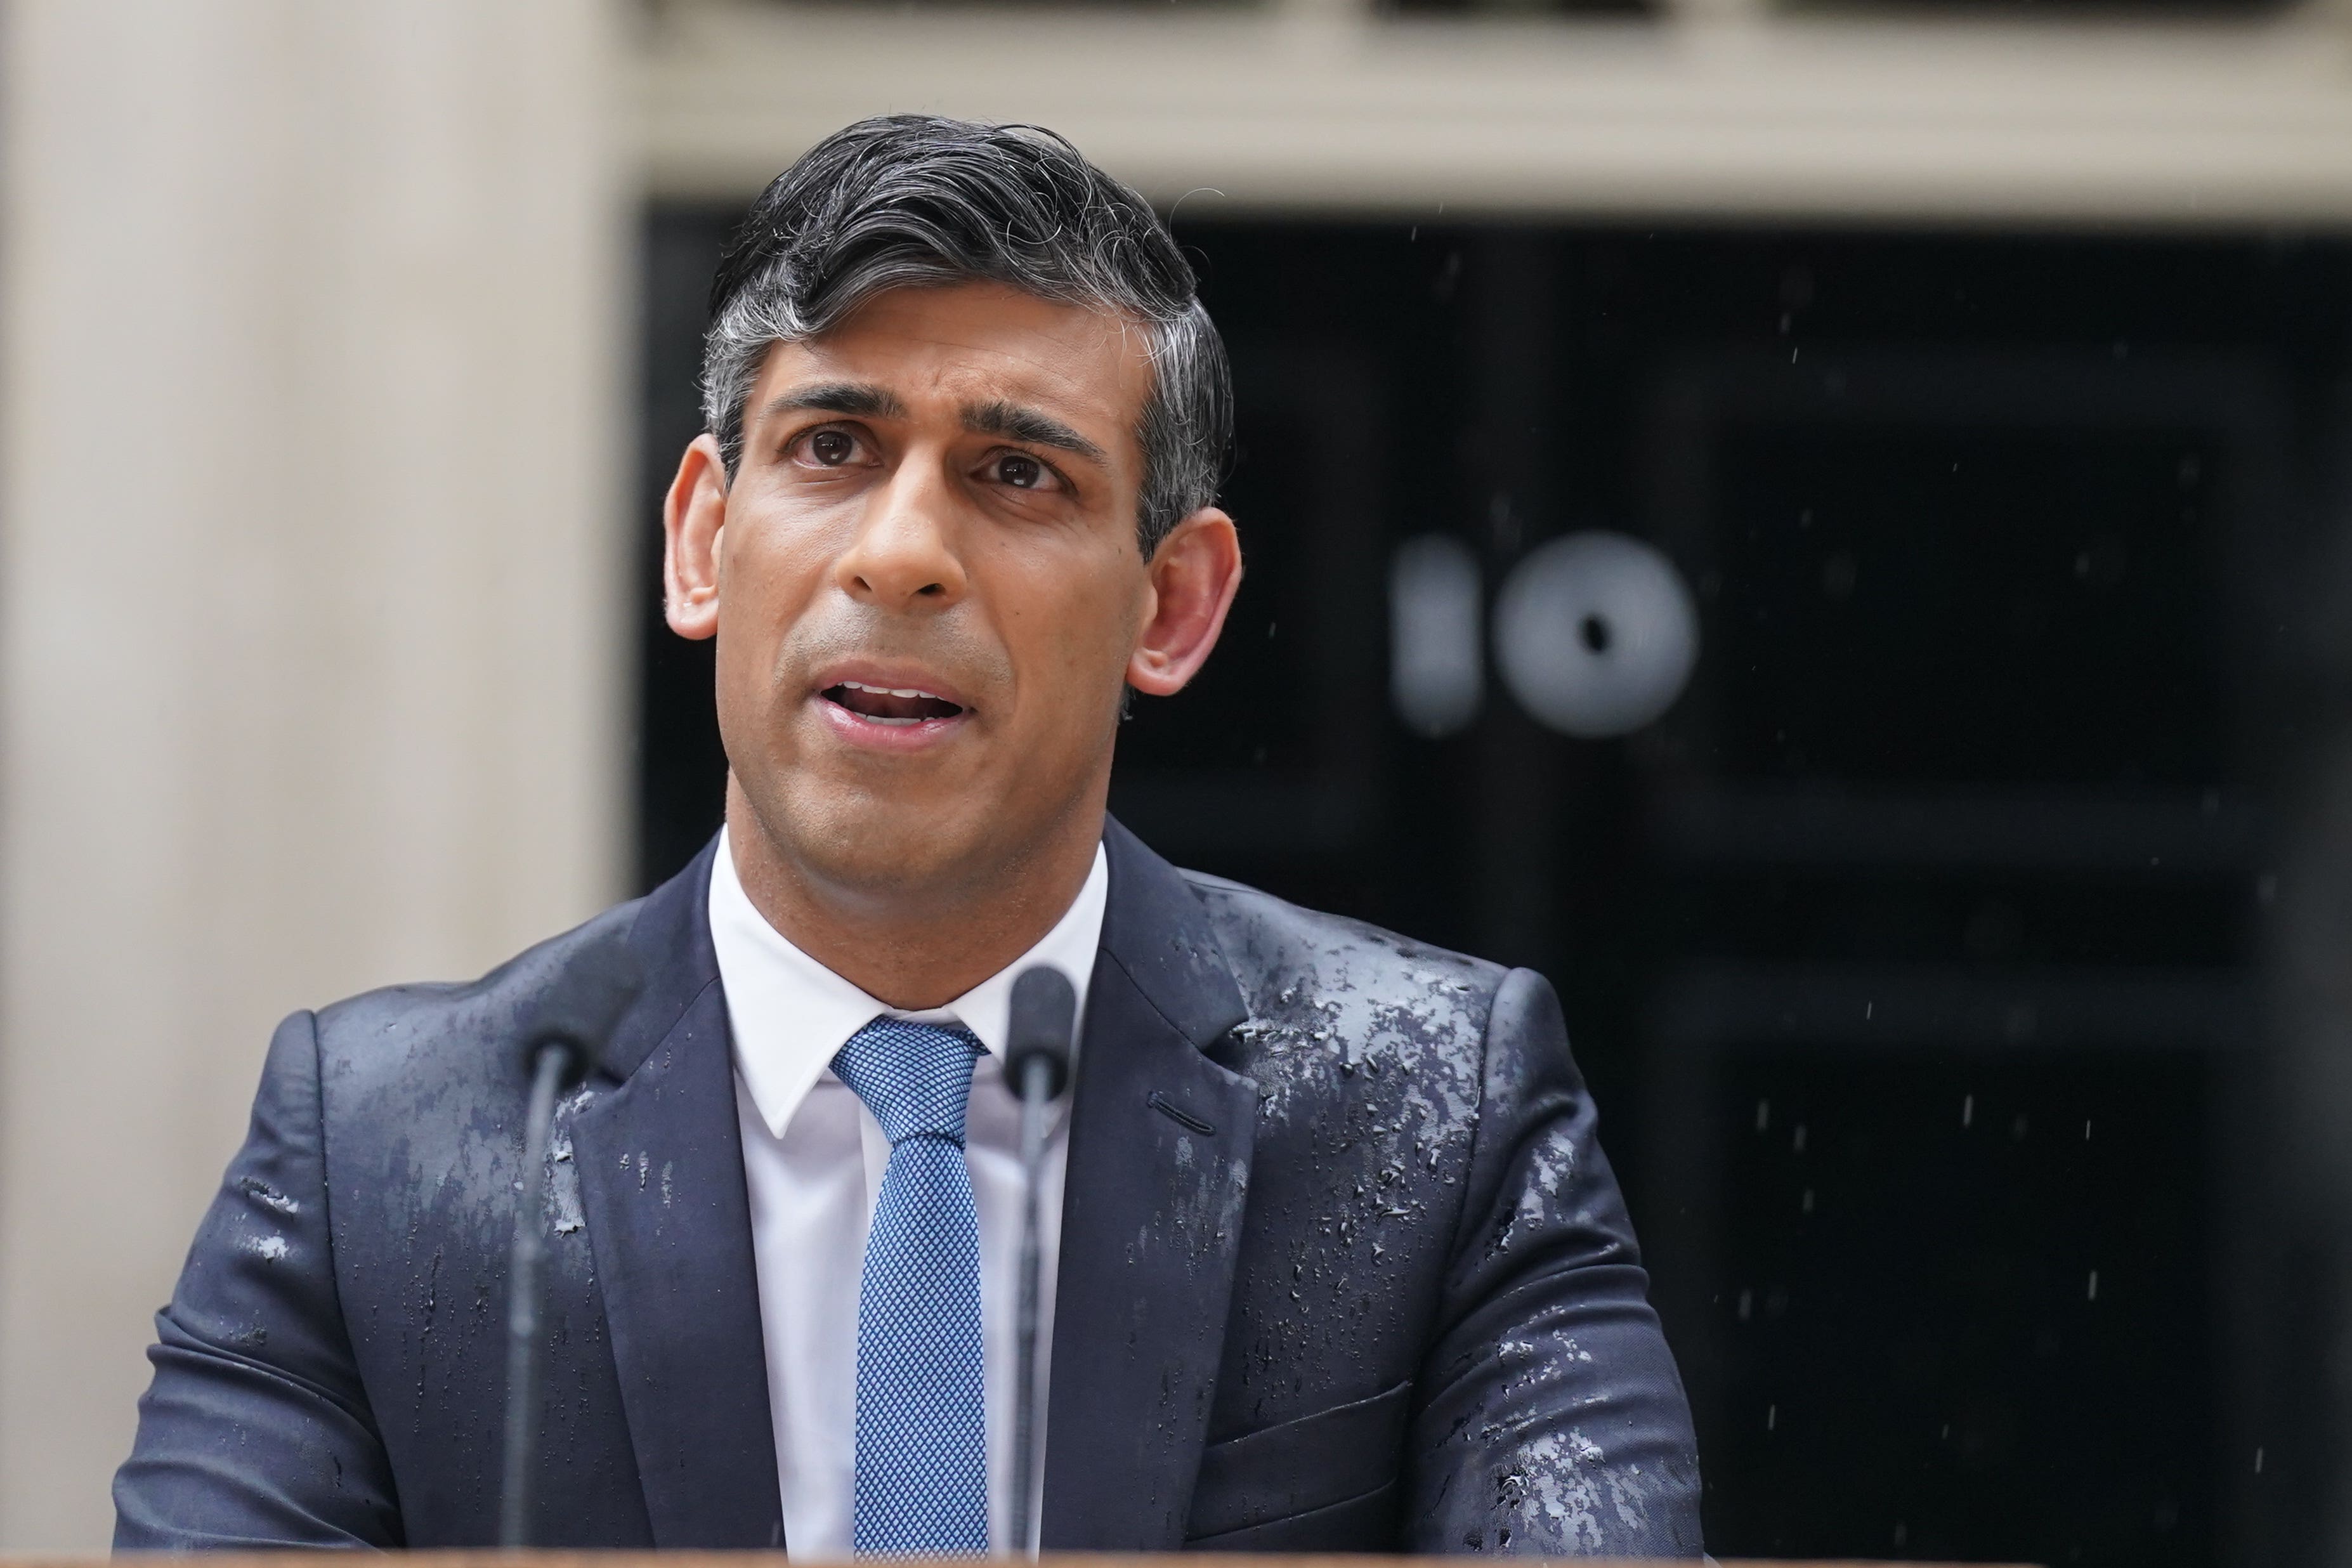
893, 691
895, 705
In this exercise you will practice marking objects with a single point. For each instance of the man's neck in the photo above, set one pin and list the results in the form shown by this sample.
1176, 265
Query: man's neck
923, 948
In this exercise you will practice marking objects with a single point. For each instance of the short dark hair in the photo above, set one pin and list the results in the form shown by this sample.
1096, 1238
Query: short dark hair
917, 200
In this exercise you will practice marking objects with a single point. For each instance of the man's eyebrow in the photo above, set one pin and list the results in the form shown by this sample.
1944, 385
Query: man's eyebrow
855, 398
1016, 423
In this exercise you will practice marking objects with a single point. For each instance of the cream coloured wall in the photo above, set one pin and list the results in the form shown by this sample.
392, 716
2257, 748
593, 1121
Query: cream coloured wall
311, 647
1714, 110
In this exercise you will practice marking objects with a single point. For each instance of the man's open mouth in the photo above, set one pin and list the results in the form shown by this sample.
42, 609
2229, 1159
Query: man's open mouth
889, 704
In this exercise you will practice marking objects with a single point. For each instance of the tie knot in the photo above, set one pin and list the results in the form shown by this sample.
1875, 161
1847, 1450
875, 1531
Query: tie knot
915, 1078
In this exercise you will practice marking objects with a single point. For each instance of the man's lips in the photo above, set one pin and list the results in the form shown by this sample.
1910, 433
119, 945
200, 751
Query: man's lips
897, 706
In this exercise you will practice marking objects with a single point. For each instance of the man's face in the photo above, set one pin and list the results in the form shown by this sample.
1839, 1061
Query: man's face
926, 585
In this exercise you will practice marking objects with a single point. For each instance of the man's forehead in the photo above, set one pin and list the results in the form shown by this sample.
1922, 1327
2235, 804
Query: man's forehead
977, 342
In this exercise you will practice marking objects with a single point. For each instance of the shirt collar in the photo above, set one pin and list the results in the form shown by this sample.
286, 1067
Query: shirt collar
788, 1013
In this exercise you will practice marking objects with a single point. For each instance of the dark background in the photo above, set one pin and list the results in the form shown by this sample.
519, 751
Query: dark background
1917, 955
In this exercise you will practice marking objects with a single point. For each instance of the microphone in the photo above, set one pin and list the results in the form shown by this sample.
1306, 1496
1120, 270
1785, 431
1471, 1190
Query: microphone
1037, 1066
562, 1030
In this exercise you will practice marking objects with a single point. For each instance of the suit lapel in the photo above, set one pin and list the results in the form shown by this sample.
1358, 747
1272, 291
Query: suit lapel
661, 1177
1151, 1219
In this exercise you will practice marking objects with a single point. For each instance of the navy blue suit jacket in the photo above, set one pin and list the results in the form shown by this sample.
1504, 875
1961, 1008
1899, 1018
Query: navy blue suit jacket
1342, 1266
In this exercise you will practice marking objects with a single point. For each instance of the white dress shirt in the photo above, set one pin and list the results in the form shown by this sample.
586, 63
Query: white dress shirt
813, 1158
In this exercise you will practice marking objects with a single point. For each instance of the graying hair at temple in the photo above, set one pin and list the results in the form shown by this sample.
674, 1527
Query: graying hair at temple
918, 200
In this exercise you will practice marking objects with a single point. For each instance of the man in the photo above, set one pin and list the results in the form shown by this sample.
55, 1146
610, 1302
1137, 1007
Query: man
1339, 1265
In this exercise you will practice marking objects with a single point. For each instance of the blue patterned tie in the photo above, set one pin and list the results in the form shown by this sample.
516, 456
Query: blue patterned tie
922, 1455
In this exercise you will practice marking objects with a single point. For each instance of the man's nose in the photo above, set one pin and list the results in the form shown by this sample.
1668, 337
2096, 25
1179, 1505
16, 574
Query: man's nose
903, 555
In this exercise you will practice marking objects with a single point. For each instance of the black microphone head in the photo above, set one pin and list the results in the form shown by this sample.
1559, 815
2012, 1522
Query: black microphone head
1044, 1012
582, 1004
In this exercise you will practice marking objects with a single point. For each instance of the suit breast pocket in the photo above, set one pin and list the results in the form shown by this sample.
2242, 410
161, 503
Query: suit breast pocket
1324, 1482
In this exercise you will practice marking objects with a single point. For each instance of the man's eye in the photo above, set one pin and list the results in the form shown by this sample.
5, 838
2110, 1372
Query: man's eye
1023, 472
832, 448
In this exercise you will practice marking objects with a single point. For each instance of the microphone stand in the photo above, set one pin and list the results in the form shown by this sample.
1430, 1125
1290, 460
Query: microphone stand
565, 1026
1037, 1057
1035, 1099
551, 1065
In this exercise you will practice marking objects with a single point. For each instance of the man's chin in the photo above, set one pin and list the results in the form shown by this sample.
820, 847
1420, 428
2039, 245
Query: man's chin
889, 849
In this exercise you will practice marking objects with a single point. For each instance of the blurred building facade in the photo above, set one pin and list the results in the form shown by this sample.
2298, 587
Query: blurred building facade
1958, 959
310, 436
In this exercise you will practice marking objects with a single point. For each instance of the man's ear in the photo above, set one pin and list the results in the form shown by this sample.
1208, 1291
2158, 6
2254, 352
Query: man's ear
692, 515
1195, 574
